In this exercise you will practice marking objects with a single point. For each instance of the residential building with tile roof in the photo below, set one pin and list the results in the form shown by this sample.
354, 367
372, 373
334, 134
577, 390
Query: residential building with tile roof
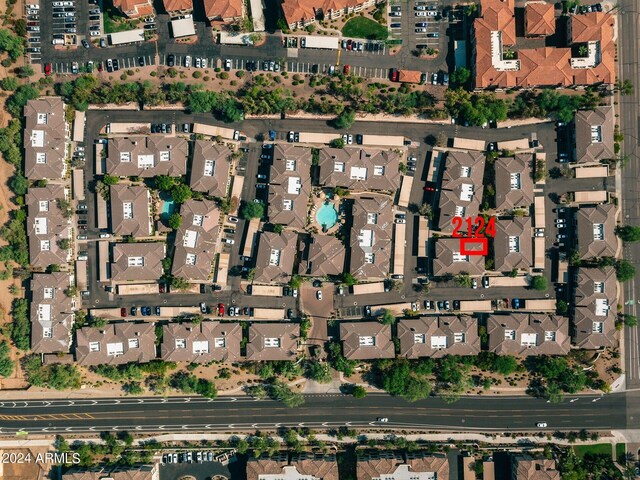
593, 133
513, 244
360, 169
210, 168
275, 258
224, 11
389, 465
539, 19
514, 182
130, 210
302, 466
52, 312
436, 337
173, 7
449, 260
201, 343
134, 8
461, 188
289, 185
147, 156
137, 262
196, 240
594, 308
322, 255
596, 237
300, 13
47, 226
366, 340
116, 344
494, 33
46, 139
371, 233
525, 467
137, 472
526, 334
273, 341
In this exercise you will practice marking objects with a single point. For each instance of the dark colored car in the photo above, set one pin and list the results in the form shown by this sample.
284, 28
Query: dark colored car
515, 303
171, 61
143, 311
216, 287
317, 283
134, 311
367, 311
290, 313
123, 312
141, 61
395, 75
245, 311
157, 311
162, 288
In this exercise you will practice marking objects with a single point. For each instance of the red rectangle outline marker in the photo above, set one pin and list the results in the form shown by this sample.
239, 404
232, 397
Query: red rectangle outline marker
474, 240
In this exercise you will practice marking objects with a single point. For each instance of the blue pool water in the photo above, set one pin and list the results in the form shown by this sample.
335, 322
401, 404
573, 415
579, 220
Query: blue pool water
167, 208
327, 215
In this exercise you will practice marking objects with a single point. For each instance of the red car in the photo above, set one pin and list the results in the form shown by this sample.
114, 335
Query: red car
162, 288
349, 44
123, 312
429, 188
395, 74
99, 66
506, 303
221, 309
346, 69
47, 69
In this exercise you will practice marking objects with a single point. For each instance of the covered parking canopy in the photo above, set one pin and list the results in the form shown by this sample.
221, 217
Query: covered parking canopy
183, 27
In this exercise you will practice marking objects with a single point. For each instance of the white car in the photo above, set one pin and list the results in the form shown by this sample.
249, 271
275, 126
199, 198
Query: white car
56, 4
149, 20
432, 14
94, 33
421, 14
229, 241
105, 235
232, 219
349, 139
197, 62
187, 61
319, 294
420, 7
204, 63
421, 30
33, 7
541, 424
382, 419
474, 283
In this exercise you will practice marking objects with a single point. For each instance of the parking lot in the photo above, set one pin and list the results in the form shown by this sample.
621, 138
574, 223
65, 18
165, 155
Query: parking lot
126, 62
419, 23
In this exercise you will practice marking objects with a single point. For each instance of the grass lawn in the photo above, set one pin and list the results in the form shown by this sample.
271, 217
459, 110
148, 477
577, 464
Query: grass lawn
621, 449
362, 27
114, 23
599, 448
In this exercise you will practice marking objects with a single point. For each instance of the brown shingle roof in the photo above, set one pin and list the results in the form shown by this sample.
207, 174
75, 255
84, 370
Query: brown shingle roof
266, 465
137, 262
202, 343
371, 233
416, 336
518, 193
139, 472
525, 467
461, 187
366, 340
596, 231
386, 464
45, 138
276, 254
325, 256
513, 244
147, 157
377, 464
51, 312
594, 135
273, 341
322, 467
136, 220
201, 179
305, 10
223, 10
524, 334
447, 259
195, 244
539, 19
594, 310
46, 226
289, 185
359, 168
116, 344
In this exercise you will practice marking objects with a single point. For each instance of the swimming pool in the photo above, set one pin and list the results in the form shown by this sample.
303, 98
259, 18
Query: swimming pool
327, 215
168, 206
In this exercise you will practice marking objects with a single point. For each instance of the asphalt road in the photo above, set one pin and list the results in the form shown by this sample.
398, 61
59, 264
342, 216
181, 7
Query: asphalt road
628, 60
228, 414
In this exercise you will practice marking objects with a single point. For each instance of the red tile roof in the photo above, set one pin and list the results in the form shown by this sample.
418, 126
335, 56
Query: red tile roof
223, 9
539, 19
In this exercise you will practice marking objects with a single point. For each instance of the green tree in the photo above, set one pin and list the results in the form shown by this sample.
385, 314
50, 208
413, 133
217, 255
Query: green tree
539, 283
630, 320
12, 44
629, 233
562, 307
25, 71
296, 281
21, 326
318, 371
10, 83
164, 183
348, 279
460, 77
19, 184
625, 270
359, 391
6, 364
345, 120
425, 210
251, 210
180, 193
175, 220
110, 180
337, 143
388, 318
463, 280
277, 228
178, 283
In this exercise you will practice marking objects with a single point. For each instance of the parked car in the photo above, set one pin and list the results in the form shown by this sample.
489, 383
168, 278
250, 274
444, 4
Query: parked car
227, 64
134, 311
171, 60
319, 294
221, 309
187, 61
232, 219
203, 307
